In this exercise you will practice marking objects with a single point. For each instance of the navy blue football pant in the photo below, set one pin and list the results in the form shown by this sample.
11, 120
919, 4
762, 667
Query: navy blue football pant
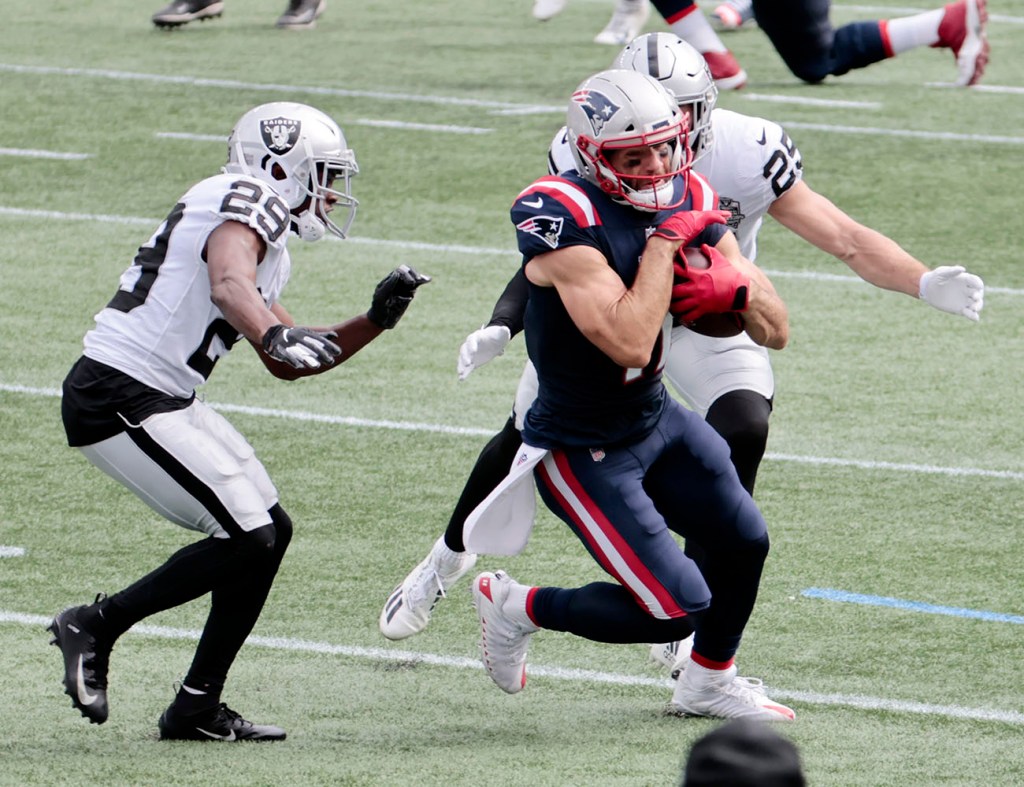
803, 35
624, 504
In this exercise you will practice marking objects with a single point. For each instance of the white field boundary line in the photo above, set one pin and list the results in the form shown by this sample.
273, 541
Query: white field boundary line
810, 102
6, 551
408, 426
45, 154
498, 108
946, 136
557, 673
433, 248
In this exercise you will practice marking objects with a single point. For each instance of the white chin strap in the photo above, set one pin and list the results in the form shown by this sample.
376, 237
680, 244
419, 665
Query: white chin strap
309, 227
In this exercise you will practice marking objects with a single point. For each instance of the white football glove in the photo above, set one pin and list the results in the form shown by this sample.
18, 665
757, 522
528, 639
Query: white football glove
952, 289
481, 346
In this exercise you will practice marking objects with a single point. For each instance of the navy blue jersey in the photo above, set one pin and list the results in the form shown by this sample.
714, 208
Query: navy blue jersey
585, 398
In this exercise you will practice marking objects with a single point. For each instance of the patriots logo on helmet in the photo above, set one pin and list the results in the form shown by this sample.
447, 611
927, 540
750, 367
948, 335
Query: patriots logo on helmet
547, 228
280, 134
598, 108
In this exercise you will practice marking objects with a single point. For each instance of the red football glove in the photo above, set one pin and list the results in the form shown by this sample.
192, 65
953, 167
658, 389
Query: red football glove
687, 225
719, 289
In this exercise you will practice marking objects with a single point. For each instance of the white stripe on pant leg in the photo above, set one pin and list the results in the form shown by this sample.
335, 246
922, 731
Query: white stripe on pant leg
600, 541
212, 451
121, 459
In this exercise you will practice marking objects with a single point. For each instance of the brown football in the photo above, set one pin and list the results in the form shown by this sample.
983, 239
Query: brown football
718, 326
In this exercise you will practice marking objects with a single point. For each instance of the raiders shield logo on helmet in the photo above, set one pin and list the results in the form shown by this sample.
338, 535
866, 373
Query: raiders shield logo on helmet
280, 134
598, 108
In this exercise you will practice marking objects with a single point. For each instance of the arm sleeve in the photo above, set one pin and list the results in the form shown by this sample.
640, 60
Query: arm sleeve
511, 306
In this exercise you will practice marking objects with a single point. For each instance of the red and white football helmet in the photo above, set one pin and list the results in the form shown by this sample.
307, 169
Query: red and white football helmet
618, 109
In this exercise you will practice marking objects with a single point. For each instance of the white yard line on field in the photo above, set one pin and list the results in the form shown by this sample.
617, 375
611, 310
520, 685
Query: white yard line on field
411, 426
432, 248
6, 551
233, 84
496, 108
947, 136
46, 154
560, 673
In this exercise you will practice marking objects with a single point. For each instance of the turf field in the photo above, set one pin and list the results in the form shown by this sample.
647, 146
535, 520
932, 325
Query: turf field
890, 614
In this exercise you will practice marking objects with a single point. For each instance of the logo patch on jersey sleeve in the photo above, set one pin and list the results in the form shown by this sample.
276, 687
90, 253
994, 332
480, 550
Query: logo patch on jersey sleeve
598, 108
547, 228
280, 134
733, 206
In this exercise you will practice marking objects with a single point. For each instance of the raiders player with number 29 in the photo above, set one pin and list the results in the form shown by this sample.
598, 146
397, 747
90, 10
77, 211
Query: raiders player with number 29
756, 169
210, 275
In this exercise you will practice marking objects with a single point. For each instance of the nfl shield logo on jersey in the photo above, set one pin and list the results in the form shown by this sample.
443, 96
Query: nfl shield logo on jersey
280, 134
598, 108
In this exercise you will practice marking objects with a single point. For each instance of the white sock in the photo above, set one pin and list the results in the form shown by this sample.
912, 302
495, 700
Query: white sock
695, 30
515, 605
910, 32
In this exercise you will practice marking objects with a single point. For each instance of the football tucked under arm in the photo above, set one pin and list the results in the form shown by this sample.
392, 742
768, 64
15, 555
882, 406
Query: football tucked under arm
706, 303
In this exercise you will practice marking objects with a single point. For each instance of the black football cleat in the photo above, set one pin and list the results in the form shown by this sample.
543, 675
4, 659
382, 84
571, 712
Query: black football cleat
219, 724
181, 12
85, 664
301, 14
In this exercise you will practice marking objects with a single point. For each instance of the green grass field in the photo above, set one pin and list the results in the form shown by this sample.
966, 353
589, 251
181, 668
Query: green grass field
895, 467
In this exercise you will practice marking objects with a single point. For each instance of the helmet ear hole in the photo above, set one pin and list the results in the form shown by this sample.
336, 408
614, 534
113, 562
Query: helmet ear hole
277, 172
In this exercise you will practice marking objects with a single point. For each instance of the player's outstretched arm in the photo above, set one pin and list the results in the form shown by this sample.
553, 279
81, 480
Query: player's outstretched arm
877, 259
391, 298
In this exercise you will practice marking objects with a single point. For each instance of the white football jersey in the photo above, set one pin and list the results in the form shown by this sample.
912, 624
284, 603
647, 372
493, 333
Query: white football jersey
161, 327
751, 163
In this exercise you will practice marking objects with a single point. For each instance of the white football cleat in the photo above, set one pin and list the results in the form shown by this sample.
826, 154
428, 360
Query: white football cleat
544, 10
408, 608
673, 655
722, 694
504, 634
628, 19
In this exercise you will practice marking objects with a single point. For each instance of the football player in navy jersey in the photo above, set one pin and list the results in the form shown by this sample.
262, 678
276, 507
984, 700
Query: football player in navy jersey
621, 462
211, 275
756, 169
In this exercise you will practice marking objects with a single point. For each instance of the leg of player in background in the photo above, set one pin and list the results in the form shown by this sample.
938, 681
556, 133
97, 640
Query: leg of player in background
688, 22
802, 33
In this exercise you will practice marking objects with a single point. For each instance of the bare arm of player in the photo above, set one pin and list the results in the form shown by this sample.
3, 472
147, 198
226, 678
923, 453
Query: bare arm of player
622, 322
870, 254
766, 319
233, 251
352, 336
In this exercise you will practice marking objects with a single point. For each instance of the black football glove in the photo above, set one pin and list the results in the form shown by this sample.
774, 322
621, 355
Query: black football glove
393, 296
300, 347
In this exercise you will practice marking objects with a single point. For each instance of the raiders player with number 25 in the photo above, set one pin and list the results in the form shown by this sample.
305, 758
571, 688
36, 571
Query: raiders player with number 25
210, 275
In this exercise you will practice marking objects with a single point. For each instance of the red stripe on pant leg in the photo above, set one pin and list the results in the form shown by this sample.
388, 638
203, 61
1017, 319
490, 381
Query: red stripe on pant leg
669, 607
671, 20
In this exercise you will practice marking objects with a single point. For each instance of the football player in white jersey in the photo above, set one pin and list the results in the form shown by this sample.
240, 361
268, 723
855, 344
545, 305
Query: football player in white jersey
756, 169
211, 275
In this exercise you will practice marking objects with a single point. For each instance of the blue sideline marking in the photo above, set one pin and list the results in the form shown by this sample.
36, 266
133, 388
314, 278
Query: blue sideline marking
912, 606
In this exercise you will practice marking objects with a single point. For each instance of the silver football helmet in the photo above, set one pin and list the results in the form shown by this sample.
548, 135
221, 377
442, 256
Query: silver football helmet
684, 71
619, 109
302, 154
